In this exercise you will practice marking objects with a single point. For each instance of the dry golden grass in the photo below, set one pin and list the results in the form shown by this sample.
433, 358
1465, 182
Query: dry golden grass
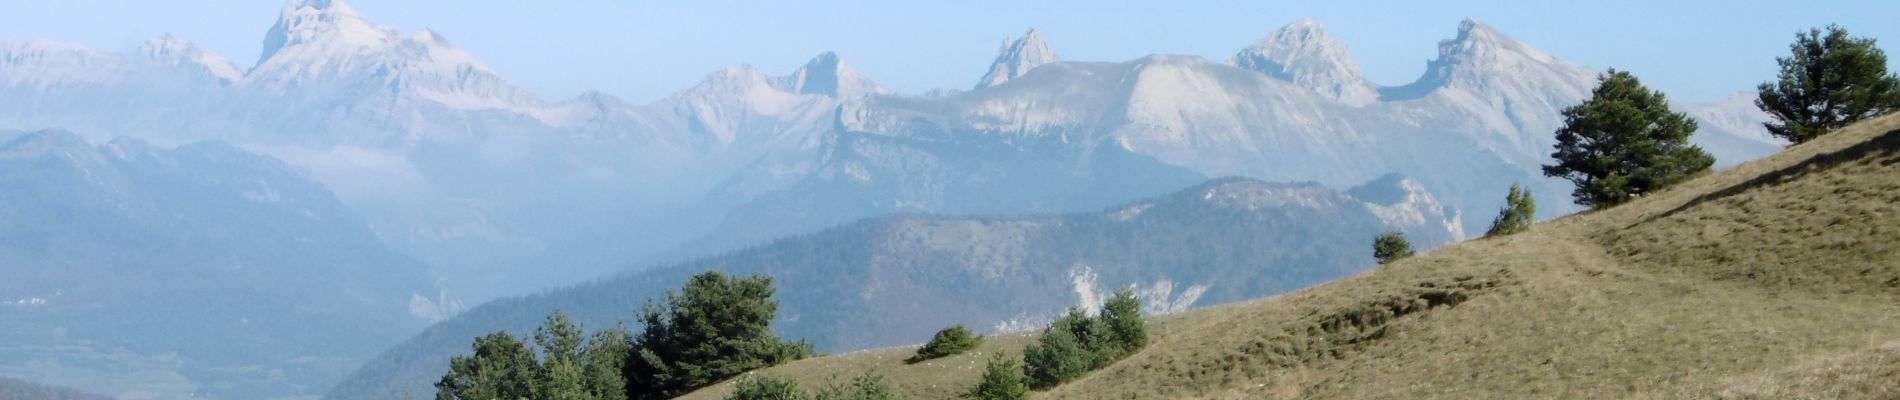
1863, 375
1779, 278
940, 378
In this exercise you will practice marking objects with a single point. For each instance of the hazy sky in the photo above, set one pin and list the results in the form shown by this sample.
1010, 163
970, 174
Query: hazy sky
643, 50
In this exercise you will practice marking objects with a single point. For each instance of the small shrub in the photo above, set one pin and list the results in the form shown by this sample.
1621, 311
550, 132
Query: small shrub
1391, 246
869, 386
947, 342
765, 387
1518, 213
1002, 380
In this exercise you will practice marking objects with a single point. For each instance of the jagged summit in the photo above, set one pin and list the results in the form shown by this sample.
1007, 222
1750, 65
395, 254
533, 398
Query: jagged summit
732, 105
1480, 46
324, 46
329, 21
315, 38
1480, 57
1304, 54
1017, 57
827, 75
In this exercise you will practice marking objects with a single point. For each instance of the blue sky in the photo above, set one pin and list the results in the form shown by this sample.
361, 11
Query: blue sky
643, 50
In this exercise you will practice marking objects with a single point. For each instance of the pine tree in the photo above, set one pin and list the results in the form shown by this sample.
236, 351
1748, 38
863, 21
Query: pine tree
1518, 213
716, 327
1128, 333
559, 337
1829, 81
1391, 246
1624, 142
501, 368
1059, 355
562, 375
562, 379
1002, 380
606, 355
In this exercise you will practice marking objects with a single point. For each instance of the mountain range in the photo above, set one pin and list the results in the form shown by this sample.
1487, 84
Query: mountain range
452, 163
1291, 107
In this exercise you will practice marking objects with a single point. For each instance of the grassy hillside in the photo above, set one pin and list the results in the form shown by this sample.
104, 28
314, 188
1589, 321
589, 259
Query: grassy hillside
1778, 278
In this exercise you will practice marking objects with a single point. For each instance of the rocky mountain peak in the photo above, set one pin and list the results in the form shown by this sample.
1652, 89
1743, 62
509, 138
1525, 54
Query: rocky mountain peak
827, 75
1017, 57
1304, 54
327, 21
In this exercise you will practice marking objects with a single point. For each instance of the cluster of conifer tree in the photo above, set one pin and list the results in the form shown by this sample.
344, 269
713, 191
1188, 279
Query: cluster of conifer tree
1078, 343
1070, 347
714, 328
